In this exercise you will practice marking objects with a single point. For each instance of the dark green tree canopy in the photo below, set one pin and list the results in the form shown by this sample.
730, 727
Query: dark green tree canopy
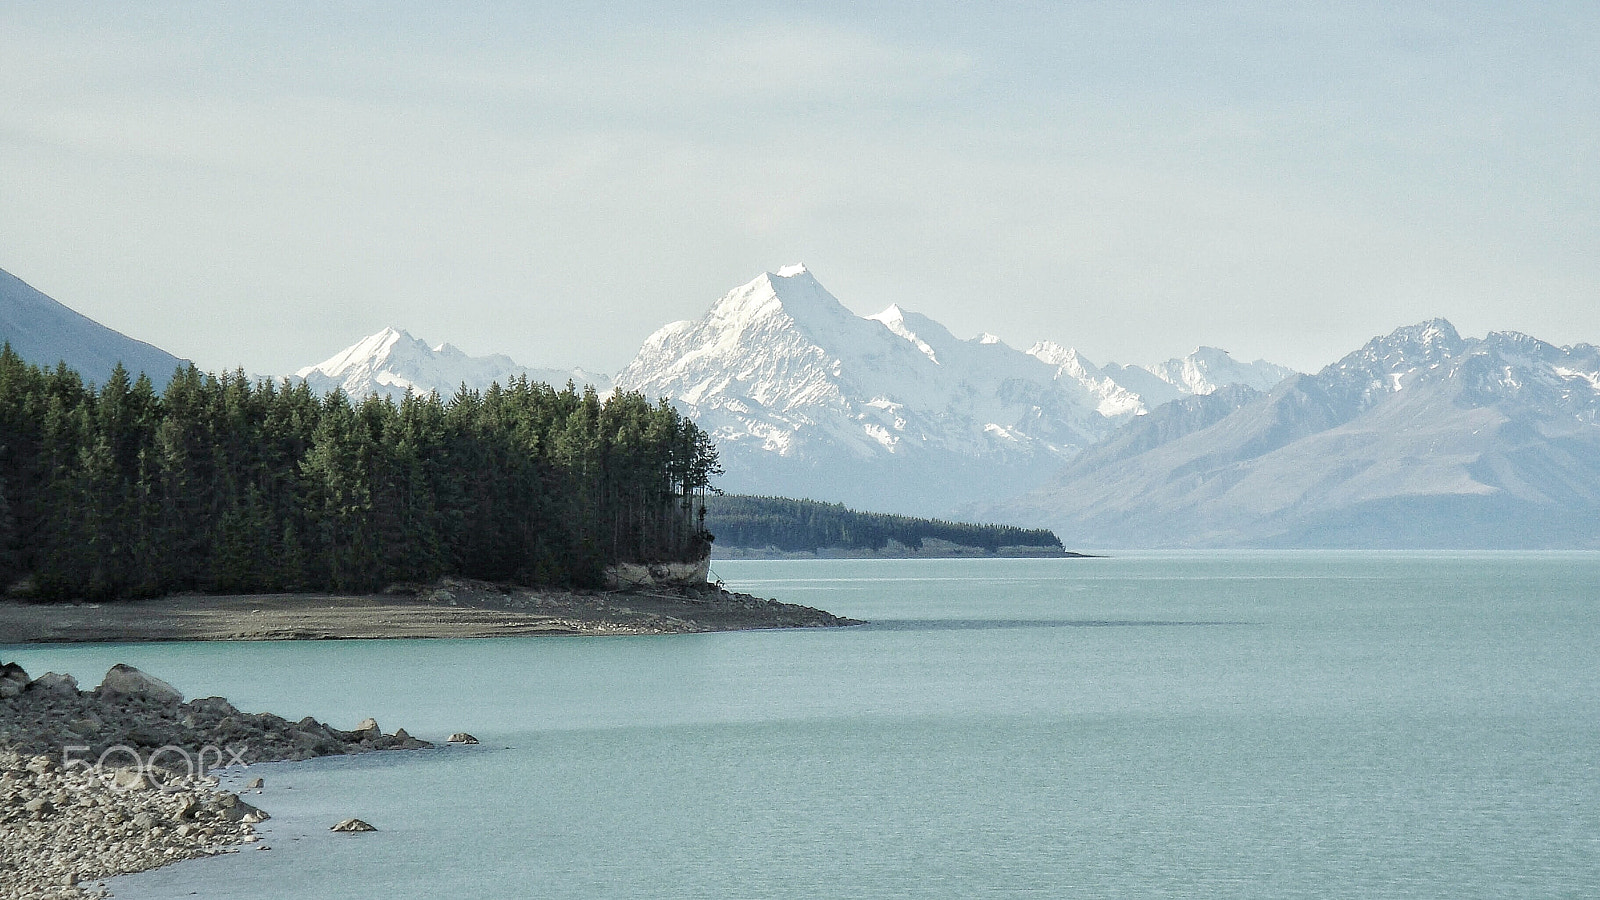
224, 484
741, 520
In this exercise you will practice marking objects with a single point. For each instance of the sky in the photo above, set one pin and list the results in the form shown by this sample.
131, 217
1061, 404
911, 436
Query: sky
261, 185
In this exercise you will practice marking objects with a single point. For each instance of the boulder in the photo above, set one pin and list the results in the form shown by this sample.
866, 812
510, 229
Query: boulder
367, 730
461, 737
184, 807
352, 826
56, 685
212, 706
13, 680
128, 681
232, 809
255, 784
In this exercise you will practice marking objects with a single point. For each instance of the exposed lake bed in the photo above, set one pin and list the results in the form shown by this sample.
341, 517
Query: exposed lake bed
453, 608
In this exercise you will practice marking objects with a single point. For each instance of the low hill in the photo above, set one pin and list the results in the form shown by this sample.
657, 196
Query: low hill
748, 526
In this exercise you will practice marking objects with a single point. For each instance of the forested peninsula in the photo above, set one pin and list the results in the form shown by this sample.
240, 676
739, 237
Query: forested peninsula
750, 526
221, 484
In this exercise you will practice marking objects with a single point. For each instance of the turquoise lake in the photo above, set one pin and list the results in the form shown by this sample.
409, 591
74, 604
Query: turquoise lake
1274, 725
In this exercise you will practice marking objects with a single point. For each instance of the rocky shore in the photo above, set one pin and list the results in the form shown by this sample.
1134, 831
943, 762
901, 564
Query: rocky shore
450, 608
117, 779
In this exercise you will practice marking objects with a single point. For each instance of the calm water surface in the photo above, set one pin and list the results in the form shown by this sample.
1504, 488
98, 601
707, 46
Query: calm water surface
1245, 725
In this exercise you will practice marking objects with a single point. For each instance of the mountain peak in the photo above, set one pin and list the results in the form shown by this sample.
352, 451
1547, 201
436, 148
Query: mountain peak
392, 361
792, 291
893, 314
1428, 333
1052, 353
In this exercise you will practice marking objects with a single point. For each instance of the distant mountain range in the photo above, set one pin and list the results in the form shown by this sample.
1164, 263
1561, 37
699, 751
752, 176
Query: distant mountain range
392, 362
1419, 439
807, 399
888, 412
45, 332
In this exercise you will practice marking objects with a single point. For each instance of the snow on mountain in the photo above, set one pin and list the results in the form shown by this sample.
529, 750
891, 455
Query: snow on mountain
45, 332
889, 411
1203, 371
392, 362
1208, 368
1115, 398
1421, 438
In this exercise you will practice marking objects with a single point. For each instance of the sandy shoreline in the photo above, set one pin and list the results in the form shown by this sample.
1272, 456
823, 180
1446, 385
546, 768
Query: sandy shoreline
450, 609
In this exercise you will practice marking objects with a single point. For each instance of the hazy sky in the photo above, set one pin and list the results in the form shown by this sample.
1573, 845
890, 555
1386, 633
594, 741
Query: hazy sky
263, 184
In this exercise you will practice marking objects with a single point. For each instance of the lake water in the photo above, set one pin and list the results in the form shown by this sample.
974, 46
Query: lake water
1266, 725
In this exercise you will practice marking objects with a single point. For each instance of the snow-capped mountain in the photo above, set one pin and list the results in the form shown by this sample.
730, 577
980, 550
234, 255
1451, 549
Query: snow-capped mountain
1201, 372
1421, 438
805, 398
45, 332
891, 411
392, 362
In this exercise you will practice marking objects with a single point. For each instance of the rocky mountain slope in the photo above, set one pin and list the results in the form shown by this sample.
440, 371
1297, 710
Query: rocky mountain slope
391, 362
44, 332
885, 412
1419, 439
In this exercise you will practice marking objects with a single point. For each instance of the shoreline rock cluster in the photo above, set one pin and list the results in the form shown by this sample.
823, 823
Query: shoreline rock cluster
674, 609
114, 780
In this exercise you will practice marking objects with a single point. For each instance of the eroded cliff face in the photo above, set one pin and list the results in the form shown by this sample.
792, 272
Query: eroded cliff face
627, 576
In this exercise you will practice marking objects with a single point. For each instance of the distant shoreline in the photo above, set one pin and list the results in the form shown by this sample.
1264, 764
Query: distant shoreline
931, 549
451, 609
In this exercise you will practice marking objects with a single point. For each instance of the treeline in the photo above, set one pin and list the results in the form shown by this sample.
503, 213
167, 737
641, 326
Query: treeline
221, 484
809, 525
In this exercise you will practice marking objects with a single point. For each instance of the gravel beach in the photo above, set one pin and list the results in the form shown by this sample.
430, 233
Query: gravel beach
116, 780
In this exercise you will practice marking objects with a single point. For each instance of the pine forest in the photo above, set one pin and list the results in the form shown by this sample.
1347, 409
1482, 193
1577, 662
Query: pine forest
222, 484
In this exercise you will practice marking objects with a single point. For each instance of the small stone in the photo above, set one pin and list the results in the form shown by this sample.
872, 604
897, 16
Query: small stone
352, 826
461, 737
130, 779
39, 806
